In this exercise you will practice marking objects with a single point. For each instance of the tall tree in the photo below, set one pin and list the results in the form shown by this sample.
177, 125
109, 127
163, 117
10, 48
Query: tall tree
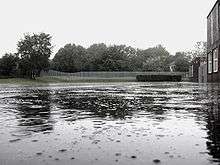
155, 58
70, 58
94, 54
114, 59
200, 50
34, 51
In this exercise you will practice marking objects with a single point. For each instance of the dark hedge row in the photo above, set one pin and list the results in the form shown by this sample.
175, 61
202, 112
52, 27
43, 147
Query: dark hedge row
155, 78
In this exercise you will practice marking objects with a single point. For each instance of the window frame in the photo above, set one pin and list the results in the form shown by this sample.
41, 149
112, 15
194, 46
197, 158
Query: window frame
215, 60
211, 28
210, 55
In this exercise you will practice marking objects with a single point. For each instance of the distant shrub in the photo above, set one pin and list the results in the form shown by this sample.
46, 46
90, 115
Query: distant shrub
175, 78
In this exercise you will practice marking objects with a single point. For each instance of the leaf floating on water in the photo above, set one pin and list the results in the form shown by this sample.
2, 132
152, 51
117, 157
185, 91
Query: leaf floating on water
14, 140
62, 150
156, 161
133, 157
118, 154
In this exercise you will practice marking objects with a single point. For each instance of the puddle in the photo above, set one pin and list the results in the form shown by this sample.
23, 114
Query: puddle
118, 123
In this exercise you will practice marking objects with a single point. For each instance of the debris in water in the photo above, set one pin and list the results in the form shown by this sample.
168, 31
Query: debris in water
118, 154
62, 150
39, 153
14, 140
171, 156
156, 161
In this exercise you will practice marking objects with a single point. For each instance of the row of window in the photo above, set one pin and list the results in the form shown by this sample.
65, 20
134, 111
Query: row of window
213, 22
213, 61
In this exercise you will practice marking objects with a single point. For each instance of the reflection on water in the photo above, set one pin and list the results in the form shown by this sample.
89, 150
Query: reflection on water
139, 123
213, 123
33, 110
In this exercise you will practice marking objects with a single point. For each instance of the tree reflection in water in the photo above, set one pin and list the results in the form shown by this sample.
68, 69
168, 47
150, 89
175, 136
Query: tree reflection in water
80, 105
34, 111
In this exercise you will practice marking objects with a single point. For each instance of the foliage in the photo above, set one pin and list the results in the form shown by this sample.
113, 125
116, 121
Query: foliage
8, 64
70, 58
93, 57
99, 57
155, 59
181, 61
114, 59
200, 49
34, 51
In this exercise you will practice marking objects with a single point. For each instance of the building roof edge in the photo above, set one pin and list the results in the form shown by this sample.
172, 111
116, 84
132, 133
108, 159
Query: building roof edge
212, 8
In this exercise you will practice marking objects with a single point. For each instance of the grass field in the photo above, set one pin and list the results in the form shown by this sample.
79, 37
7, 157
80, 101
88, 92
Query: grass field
63, 79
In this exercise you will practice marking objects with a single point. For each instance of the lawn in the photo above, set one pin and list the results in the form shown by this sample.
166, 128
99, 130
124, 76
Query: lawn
63, 79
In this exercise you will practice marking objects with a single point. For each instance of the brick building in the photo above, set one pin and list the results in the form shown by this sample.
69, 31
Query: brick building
213, 43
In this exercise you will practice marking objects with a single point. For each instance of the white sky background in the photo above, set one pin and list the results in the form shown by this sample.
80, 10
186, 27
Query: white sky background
176, 24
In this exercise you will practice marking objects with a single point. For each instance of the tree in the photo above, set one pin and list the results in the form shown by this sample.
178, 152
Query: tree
133, 62
114, 59
155, 59
70, 58
94, 54
200, 49
8, 64
181, 61
34, 51
99, 57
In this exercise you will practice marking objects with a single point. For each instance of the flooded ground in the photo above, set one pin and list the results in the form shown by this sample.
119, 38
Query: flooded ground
104, 124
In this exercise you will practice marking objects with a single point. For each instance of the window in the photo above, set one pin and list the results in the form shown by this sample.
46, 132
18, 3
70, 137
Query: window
215, 60
217, 17
210, 62
211, 22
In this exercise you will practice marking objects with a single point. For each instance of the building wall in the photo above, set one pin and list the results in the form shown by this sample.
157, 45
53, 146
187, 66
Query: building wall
214, 76
213, 42
203, 72
213, 28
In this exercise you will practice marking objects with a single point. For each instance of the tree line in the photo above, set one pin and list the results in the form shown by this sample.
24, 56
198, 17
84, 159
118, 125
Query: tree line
34, 51
100, 57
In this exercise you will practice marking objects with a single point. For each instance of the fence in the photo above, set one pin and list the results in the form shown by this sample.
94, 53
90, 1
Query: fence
54, 73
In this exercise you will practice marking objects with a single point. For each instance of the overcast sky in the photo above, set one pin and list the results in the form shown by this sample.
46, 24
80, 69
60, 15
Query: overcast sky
176, 24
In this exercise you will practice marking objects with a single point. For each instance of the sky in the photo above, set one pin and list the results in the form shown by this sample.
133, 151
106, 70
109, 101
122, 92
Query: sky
176, 24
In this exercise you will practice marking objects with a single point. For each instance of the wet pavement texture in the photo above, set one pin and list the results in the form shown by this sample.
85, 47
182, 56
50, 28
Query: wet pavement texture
104, 124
